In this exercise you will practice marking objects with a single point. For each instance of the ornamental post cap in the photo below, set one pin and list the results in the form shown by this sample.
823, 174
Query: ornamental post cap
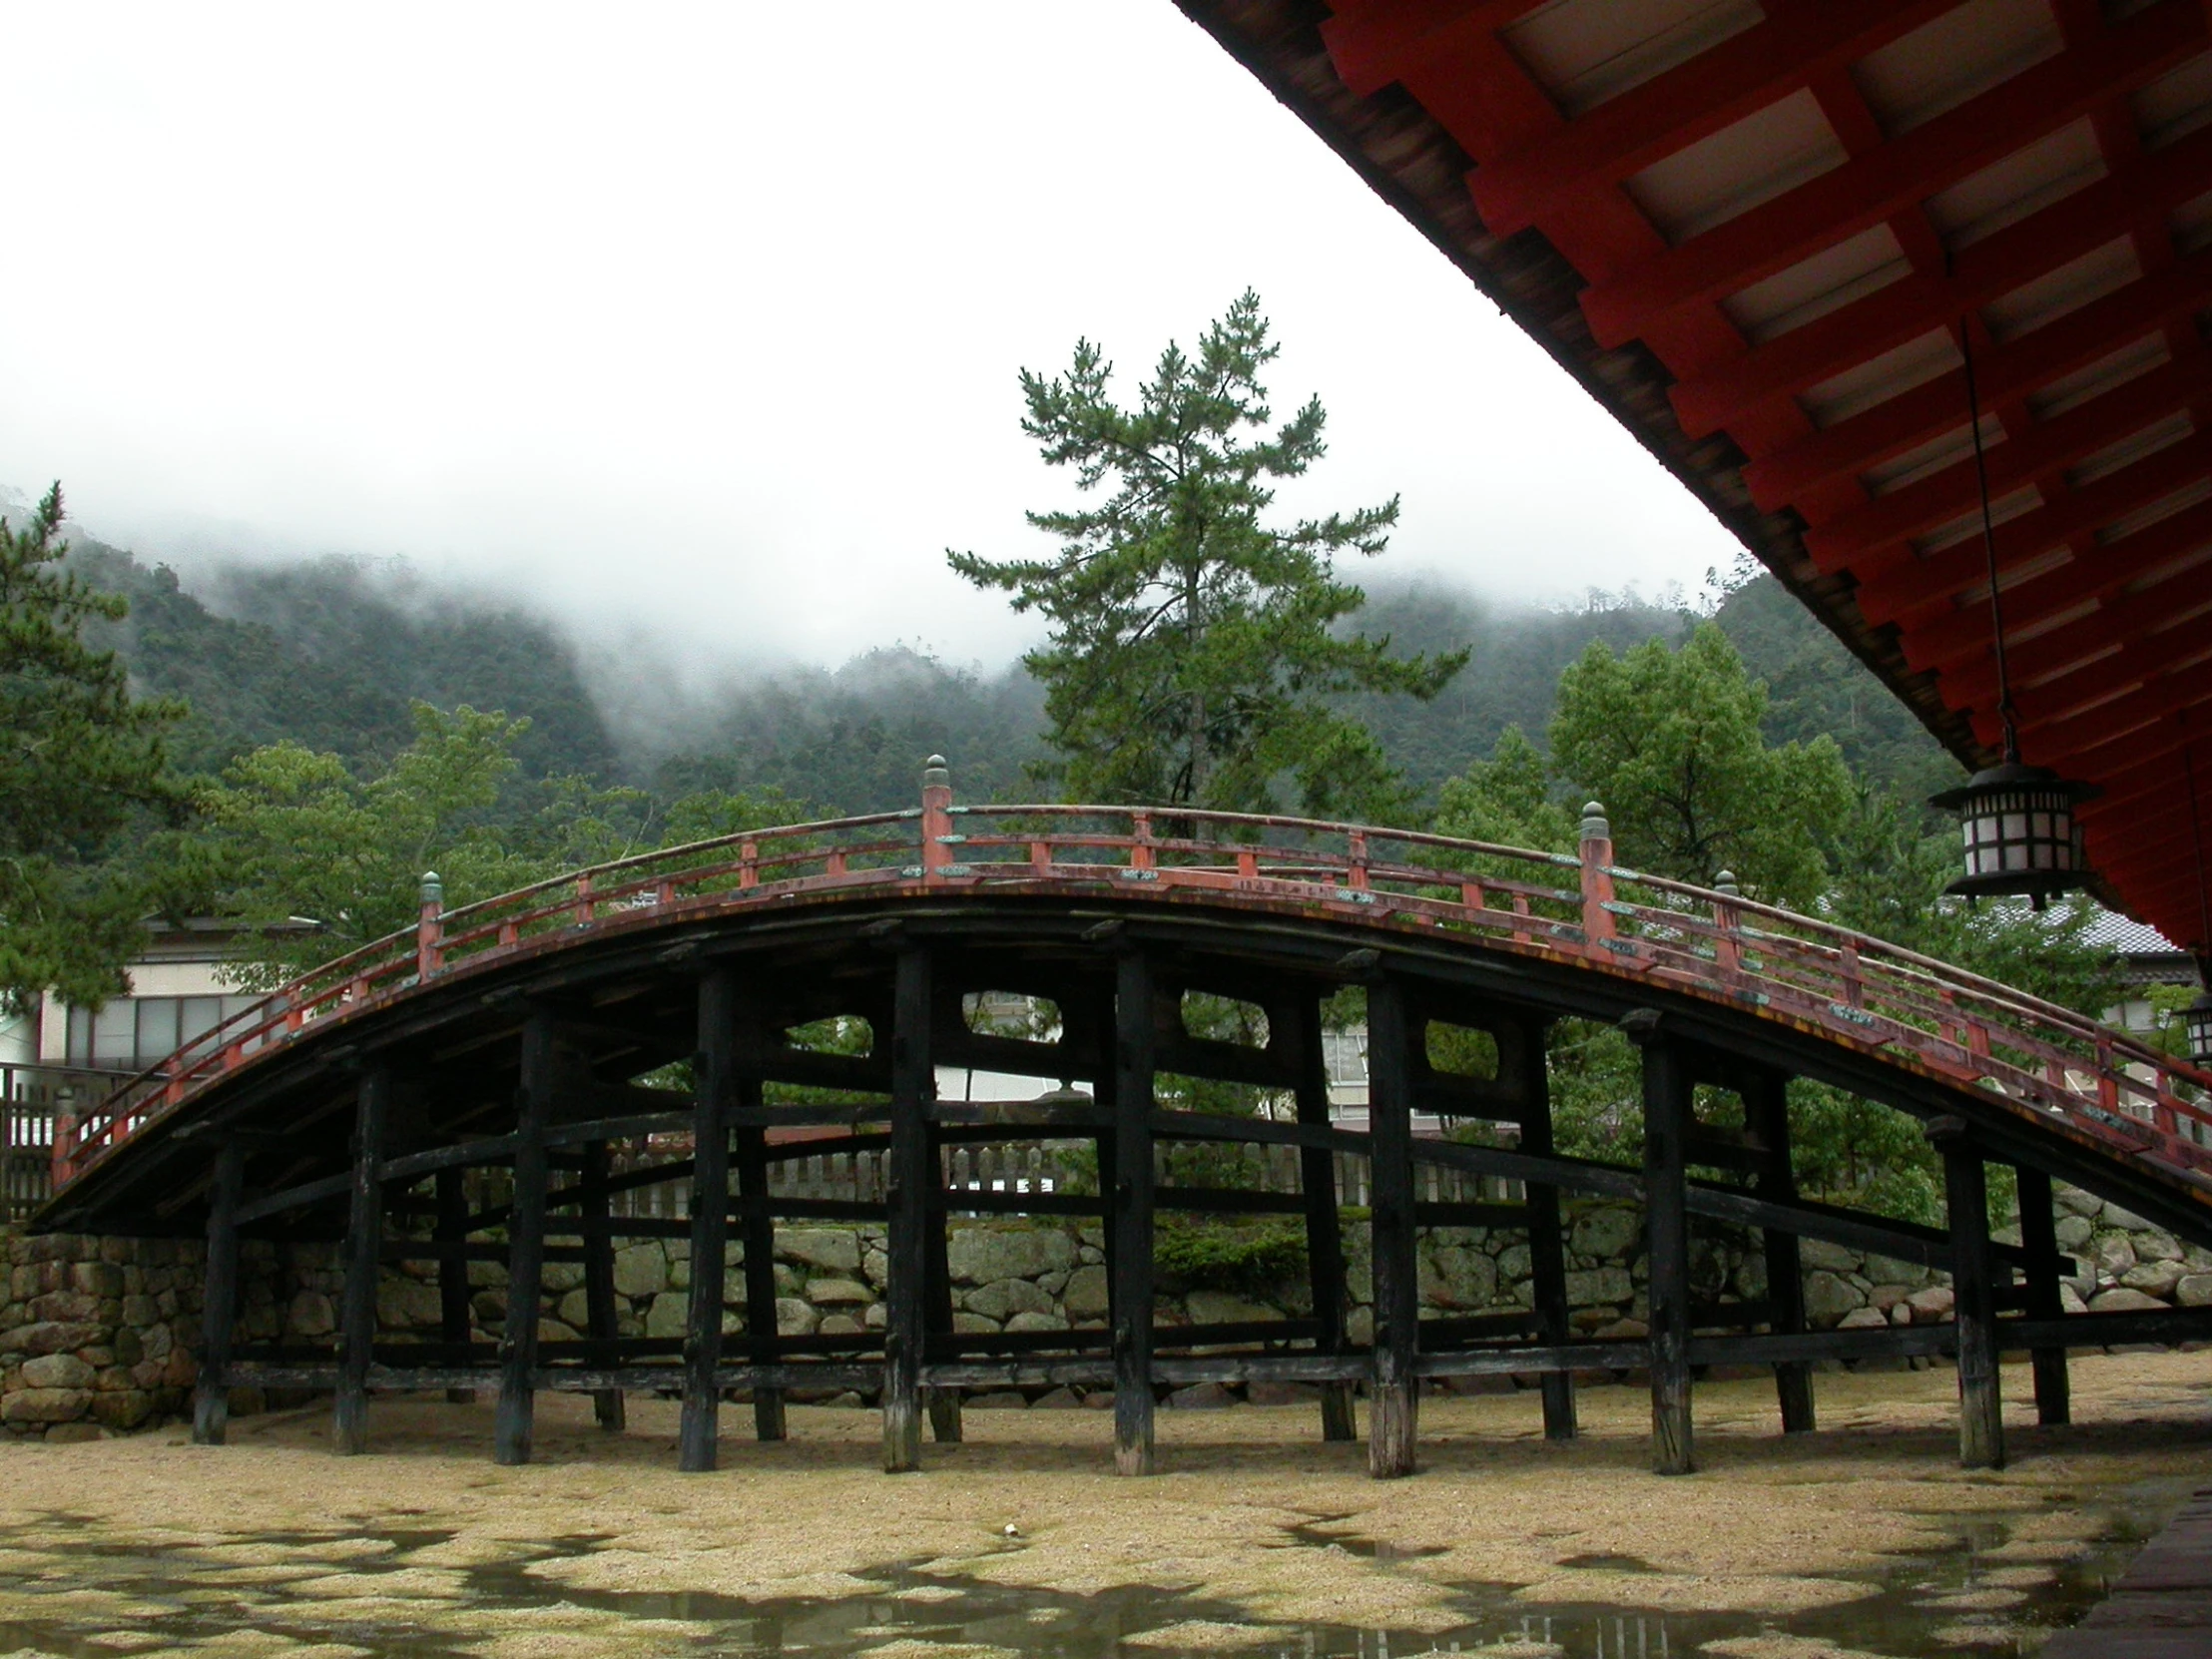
1725, 882
935, 773
433, 890
1594, 826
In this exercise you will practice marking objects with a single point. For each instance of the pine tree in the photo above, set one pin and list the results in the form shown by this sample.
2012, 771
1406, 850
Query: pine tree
83, 764
1195, 650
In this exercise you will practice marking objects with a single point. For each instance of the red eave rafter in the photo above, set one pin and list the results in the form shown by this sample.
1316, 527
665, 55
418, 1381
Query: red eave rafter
1692, 100
2046, 446
1965, 631
2080, 337
2112, 634
1907, 587
2116, 206
1897, 176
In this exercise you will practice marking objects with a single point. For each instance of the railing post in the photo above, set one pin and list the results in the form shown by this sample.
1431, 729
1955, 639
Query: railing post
1597, 872
64, 1161
1726, 955
429, 928
936, 819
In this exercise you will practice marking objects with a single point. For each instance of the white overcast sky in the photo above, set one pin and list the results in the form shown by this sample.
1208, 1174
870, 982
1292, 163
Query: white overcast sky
703, 321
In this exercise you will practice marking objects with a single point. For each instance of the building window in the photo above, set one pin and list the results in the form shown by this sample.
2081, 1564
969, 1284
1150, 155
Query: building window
134, 1032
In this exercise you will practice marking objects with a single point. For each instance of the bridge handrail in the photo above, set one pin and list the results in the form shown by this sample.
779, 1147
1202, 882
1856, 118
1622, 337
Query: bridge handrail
1949, 1018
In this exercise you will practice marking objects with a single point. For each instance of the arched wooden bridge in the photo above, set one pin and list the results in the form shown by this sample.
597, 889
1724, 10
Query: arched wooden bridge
513, 1036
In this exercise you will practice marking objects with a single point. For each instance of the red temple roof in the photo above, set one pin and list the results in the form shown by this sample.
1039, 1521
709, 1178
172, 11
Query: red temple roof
1760, 234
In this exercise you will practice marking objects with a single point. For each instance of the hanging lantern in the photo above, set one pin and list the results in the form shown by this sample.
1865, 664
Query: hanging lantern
2017, 823
2196, 1021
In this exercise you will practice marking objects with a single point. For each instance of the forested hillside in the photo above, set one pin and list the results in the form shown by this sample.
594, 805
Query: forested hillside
330, 653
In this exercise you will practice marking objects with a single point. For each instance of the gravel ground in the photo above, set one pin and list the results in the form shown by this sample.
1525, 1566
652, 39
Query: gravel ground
273, 1522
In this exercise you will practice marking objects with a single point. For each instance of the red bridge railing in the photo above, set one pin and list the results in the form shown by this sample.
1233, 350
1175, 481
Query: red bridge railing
1846, 986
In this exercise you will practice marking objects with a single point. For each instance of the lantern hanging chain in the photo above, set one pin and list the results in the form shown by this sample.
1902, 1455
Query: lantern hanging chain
1988, 546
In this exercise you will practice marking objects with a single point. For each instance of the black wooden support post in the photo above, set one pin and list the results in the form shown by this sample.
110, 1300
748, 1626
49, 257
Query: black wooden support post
601, 1323
913, 1086
1767, 1115
1547, 1245
1394, 1409
1966, 1197
1667, 1106
2039, 1238
1325, 1251
518, 1335
453, 1308
364, 1240
1131, 1215
756, 1229
945, 1427
713, 1085
219, 1309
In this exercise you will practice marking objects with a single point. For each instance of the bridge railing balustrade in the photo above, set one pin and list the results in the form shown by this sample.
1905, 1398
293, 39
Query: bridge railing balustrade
1858, 989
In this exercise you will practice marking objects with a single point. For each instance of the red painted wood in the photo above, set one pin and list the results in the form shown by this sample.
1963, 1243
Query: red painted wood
2132, 193
2050, 445
1965, 632
1869, 189
1688, 102
1936, 406
1921, 581
1375, 43
2064, 653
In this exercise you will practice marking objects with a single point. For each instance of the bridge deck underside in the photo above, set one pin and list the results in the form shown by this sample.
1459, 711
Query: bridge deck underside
504, 1115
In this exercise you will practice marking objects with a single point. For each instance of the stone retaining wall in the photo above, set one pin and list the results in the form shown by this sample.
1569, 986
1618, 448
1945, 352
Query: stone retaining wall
98, 1335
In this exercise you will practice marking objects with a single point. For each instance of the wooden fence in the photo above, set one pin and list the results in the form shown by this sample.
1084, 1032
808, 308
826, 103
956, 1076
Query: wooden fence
31, 1098
1061, 1168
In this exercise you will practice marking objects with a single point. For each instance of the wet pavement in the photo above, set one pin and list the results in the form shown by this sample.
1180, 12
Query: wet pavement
68, 1591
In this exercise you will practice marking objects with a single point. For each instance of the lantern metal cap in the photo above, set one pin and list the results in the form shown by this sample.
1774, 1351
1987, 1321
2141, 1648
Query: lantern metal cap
2012, 775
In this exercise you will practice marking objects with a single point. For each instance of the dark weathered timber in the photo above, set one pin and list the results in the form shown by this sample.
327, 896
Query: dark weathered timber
945, 1427
454, 1296
715, 1085
1395, 1401
913, 1086
518, 1333
2039, 1238
1966, 1197
1131, 1222
1667, 1113
1325, 1251
1547, 1246
1767, 1115
219, 1306
601, 1321
364, 1232
756, 1228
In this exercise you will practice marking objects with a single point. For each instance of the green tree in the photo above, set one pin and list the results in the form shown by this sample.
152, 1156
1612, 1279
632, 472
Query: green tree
83, 765
294, 834
1195, 650
1507, 800
1669, 741
300, 835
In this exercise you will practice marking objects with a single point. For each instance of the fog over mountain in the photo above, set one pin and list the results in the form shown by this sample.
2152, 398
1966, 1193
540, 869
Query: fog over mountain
332, 651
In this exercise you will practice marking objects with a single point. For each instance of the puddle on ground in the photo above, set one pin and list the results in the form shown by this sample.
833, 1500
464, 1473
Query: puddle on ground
393, 1594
